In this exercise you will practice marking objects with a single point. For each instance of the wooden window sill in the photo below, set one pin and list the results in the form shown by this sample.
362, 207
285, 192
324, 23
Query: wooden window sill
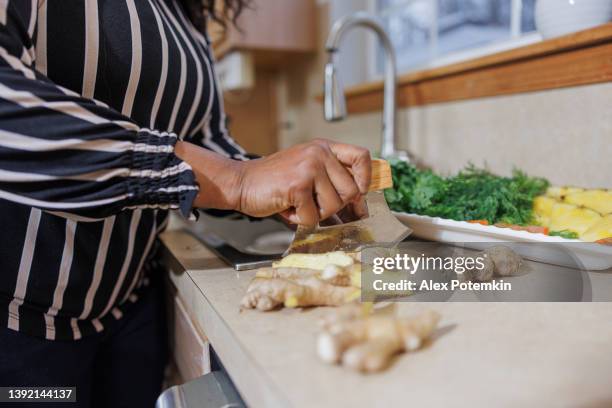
576, 59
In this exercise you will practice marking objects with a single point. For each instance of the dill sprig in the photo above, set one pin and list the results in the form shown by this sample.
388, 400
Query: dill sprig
472, 194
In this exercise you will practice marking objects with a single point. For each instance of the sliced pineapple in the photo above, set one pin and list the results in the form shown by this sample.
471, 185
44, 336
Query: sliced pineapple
598, 200
559, 192
542, 210
570, 217
600, 230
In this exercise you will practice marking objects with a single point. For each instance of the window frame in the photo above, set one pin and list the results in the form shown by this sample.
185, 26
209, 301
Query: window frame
517, 39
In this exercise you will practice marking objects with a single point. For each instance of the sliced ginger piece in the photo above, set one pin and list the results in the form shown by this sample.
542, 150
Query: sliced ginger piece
331, 274
316, 261
318, 242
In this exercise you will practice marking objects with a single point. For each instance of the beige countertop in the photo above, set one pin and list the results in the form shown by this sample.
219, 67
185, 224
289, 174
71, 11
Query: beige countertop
483, 355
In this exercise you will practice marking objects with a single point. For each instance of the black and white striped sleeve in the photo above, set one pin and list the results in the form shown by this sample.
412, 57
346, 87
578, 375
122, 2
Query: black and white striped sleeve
62, 152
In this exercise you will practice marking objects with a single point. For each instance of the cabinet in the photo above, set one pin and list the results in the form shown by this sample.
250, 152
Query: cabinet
270, 30
253, 116
273, 36
190, 347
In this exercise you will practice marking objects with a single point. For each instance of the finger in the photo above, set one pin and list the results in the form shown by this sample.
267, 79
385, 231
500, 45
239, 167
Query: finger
306, 211
285, 218
358, 160
360, 207
342, 180
327, 197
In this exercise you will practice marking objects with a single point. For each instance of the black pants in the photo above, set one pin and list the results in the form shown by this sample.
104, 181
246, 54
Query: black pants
121, 367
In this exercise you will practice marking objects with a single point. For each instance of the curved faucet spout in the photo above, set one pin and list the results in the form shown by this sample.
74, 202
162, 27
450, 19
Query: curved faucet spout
334, 104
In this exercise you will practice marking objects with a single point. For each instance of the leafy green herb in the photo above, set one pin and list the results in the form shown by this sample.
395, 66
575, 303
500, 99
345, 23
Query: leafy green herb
472, 194
569, 234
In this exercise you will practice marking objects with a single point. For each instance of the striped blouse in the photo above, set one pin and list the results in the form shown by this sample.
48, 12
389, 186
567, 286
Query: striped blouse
93, 96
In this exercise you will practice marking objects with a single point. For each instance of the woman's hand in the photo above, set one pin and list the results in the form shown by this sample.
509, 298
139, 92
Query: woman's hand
305, 183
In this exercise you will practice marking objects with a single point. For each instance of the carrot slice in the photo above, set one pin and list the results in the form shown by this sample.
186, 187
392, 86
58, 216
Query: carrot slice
481, 222
536, 229
605, 241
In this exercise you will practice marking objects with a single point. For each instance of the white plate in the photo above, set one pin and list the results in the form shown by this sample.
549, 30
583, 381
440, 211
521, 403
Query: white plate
566, 252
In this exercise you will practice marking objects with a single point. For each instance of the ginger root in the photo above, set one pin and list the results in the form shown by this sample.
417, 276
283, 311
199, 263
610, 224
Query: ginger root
480, 275
348, 312
301, 280
269, 293
367, 344
498, 260
507, 262
331, 274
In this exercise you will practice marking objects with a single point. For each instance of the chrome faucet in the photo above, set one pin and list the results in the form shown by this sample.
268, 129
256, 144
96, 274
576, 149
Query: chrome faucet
335, 103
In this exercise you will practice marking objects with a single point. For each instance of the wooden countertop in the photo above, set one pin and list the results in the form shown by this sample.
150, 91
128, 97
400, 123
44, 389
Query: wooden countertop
484, 354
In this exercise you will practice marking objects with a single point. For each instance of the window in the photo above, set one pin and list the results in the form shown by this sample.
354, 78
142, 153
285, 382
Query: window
428, 33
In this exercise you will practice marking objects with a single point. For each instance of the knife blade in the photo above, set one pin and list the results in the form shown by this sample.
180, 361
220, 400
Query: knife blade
380, 227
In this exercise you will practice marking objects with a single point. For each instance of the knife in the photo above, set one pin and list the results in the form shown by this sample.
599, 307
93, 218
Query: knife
379, 228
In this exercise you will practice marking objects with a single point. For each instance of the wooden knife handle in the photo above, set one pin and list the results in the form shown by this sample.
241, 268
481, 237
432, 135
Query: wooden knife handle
381, 175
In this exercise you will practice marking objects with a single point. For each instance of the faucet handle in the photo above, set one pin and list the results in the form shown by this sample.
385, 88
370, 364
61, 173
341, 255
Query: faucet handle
334, 103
